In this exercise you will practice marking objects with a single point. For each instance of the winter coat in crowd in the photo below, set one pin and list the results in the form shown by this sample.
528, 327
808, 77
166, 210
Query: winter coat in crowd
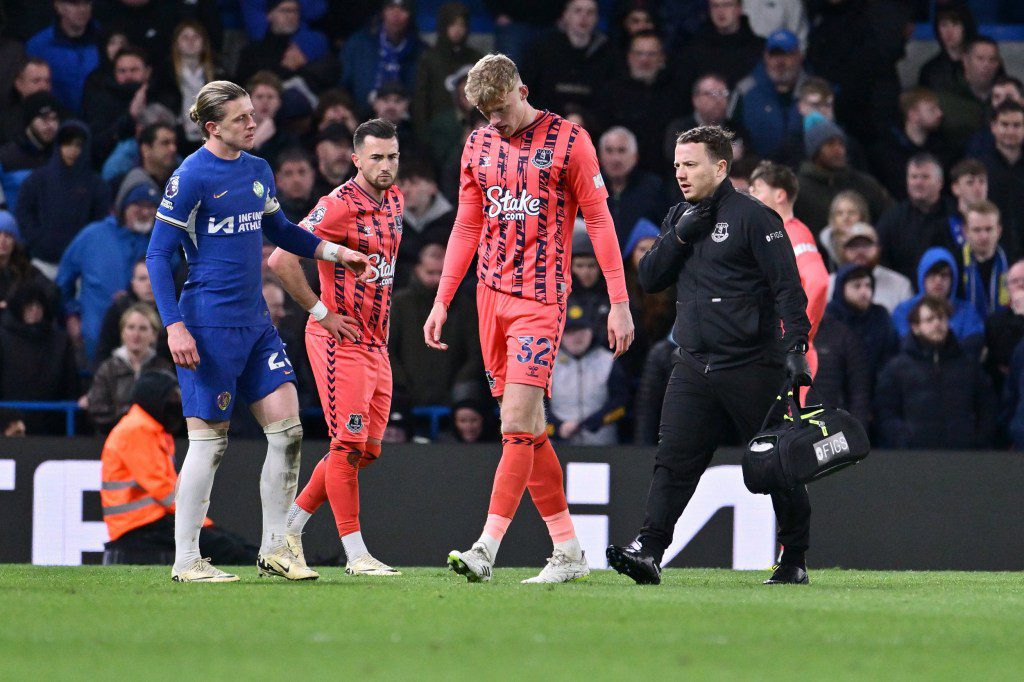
768, 115
580, 78
49, 225
965, 324
845, 375
437, 64
110, 395
1004, 330
874, 326
935, 397
110, 328
71, 60
650, 392
361, 59
591, 390
434, 226
733, 55
818, 186
905, 232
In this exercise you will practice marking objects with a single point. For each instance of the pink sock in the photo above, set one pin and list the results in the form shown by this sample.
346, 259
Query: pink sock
560, 526
496, 526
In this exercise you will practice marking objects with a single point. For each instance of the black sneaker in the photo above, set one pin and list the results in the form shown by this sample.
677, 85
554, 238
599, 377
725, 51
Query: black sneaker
788, 574
642, 568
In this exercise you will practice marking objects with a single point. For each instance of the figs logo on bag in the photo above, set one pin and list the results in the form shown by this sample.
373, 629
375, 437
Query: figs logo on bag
829, 448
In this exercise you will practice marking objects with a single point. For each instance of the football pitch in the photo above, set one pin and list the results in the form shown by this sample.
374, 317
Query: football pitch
132, 622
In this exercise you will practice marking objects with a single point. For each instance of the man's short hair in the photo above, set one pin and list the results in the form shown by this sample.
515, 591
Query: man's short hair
967, 167
619, 130
1004, 79
985, 207
131, 51
859, 272
980, 40
777, 176
490, 79
293, 155
716, 140
744, 168
705, 76
1008, 107
375, 127
417, 167
647, 33
925, 159
814, 85
914, 96
264, 77
33, 61
147, 136
940, 307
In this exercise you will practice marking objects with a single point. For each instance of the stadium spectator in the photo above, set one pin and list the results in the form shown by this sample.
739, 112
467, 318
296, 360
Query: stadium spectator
766, 16
954, 27
589, 290
126, 154
846, 210
391, 103
265, 90
517, 23
449, 53
333, 158
963, 105
827, 173
984, 265
138, 291
37, 361
190, 66
968, 183
1004, 329
1005, 164
15, 268
814, 95
589, 389
570, 64
765, 103
295, 178
653, 314
387, 50
709, 97
254, 14
726, 43
632, 17
472, 421
150, 24
71, 47
112, 108
650, 392
420, 376
859, 246
644, 98
289, 49
1004, 88
933, 394
110, 394
60, 198
428, 216
852, 305
158, 157
33, 76
633, 194
138, 468
12, 59
33, 145
937, 279
844, 377
99, 261
920, 221
335, 106
919, 134
449, 130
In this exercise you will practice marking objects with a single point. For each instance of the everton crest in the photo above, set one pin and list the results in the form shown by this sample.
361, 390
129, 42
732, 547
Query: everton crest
542, 158
355, 423
720, 233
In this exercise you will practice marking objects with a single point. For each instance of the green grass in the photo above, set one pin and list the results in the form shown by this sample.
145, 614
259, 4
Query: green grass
133, 623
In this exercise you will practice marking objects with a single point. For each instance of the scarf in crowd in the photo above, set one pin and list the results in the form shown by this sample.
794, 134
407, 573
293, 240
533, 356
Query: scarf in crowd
985, 296
389, 63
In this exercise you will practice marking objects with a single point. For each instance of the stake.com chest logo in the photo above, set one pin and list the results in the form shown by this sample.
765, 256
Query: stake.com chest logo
507, 206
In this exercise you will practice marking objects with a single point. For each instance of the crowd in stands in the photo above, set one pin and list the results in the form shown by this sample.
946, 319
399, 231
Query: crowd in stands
914, 191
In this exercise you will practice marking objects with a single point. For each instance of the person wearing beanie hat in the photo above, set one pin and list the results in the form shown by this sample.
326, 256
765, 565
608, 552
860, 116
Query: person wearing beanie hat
9, 226
31, 148
653, 313
826, 172
48, 225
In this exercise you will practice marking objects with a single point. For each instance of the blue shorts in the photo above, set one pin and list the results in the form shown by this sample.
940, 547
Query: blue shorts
234, 362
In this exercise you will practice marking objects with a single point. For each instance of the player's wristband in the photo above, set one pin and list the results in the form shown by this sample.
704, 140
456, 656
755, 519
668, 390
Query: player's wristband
331, 252
318, 311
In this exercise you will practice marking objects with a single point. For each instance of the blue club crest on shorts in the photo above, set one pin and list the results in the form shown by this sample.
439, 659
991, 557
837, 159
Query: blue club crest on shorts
542, 158
223, 400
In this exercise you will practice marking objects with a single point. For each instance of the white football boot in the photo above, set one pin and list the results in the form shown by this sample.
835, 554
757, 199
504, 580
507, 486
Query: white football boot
285, 562
367, 565
561, 568
476, 564
201, 571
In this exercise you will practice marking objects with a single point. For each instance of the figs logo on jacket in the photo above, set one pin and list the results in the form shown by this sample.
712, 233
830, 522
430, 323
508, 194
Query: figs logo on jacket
508, 206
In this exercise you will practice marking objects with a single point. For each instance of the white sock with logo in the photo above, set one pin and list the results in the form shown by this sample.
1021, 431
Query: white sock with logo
354, 546
205, 449
279, 479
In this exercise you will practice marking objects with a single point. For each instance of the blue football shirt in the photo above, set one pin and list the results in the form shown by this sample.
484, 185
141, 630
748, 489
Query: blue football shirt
220, 205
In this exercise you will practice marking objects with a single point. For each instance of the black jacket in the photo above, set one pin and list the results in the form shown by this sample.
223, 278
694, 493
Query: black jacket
733, 285
844, 376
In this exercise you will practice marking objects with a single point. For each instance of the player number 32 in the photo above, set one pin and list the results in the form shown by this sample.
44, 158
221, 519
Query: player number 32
535, 351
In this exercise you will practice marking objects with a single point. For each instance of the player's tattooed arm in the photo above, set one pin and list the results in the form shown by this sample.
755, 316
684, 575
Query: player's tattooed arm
288, 269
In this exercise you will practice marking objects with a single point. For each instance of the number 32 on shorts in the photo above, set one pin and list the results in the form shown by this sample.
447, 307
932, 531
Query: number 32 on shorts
534, 350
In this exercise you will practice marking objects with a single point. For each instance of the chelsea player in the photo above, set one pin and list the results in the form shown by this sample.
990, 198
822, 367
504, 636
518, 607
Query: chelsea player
218, 205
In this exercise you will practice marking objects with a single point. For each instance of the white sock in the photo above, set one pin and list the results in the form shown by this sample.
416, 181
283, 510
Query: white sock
571, 547
491, 544
205, 449
280, 479
354, 545
297, 517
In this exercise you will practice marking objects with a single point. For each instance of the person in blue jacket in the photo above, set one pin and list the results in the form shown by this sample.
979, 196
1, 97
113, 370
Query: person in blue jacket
387, 50
71, 48
937, 277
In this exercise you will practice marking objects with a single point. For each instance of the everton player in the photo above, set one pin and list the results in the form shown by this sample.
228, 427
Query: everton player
218, 205
347, 334
524, 177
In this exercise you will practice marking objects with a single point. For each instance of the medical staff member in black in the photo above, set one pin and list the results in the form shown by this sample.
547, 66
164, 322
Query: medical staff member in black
736, 278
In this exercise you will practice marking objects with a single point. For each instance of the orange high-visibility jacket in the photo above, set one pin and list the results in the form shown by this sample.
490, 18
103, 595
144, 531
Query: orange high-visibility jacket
138, 473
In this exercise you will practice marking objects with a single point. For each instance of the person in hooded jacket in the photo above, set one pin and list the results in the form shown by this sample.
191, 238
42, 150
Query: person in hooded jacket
589, 289
844, 377
15, 267
933, 395
654, 314
37, 361
726, 43
49, 225
852, 306
937, 278
438, 62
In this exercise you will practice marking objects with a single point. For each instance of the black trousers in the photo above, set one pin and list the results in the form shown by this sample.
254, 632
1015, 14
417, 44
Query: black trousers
699, 412
153, 544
